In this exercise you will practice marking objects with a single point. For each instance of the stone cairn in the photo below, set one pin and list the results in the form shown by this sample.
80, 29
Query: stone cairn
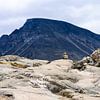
65, 55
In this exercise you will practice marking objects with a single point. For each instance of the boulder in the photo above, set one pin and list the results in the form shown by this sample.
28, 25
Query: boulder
80, 65
67, 93
96, 57
6, 95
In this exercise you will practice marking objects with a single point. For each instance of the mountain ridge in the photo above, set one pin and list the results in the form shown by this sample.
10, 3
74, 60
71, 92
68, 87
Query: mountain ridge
41, 38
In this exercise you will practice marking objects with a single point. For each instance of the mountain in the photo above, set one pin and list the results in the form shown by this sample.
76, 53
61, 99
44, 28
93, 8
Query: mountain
48, 39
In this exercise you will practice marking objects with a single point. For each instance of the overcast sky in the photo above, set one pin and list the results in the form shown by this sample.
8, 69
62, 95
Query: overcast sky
84, 13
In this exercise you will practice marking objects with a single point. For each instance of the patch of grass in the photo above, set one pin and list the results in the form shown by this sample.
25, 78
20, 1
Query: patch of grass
18, 65
1, 62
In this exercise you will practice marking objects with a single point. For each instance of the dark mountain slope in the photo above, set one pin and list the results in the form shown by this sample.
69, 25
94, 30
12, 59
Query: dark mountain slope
48, 39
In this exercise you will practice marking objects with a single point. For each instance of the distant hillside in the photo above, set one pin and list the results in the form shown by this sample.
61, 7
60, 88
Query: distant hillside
48, 39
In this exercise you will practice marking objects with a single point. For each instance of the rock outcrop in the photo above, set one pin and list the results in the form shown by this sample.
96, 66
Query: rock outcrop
93, 60
55, 80
96, 57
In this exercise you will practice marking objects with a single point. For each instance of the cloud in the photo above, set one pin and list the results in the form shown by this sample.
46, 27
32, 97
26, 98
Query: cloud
84, 13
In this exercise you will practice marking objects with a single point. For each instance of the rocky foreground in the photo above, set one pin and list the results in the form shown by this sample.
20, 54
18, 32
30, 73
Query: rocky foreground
63, 79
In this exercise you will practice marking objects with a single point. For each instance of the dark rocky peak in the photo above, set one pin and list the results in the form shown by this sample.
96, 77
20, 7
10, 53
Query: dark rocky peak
41, 38
4, 38
49, 26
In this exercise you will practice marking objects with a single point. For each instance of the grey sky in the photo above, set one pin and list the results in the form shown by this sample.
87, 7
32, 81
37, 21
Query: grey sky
84, 13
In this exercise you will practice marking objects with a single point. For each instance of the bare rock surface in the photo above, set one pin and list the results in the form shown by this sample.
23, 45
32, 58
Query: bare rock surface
41, 79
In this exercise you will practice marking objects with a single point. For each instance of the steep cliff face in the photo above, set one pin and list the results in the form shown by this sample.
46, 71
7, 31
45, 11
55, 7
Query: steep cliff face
48, 39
